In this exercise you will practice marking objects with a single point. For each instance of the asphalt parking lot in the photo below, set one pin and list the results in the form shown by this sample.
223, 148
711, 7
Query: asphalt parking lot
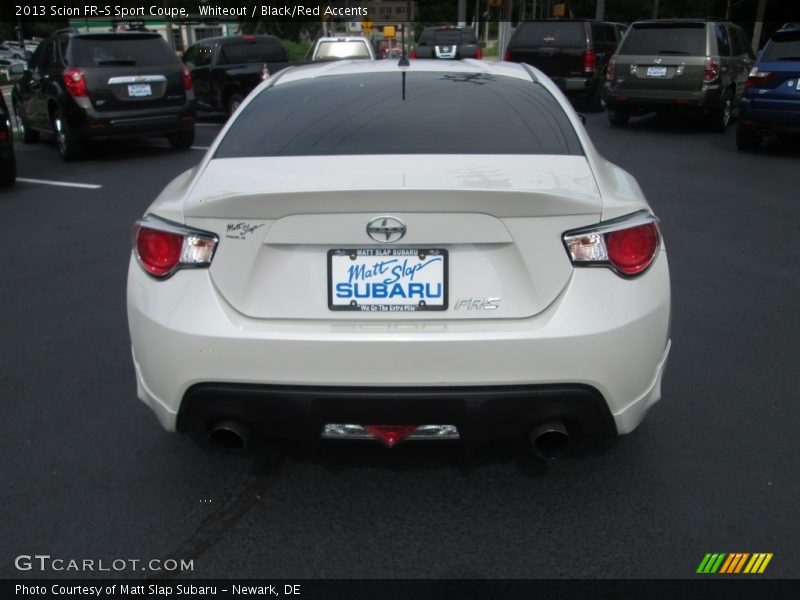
89, 473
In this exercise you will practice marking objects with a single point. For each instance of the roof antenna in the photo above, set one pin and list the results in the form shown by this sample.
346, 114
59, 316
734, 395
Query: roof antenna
403, 55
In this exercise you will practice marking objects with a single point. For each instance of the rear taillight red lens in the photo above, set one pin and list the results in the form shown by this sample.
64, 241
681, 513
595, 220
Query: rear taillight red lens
478, 53
413, 53
187, 78
589, 61
507, 55
632, 250
75, 83
711, 71
159, 252
760, 79
628, 245
611, 68
162, 247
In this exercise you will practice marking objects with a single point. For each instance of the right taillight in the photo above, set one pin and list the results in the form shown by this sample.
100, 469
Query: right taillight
507, 55
162, 247
611, 68
75, 83
478, 53
760, 79
627, 245
711, 70
589, 61
186, 75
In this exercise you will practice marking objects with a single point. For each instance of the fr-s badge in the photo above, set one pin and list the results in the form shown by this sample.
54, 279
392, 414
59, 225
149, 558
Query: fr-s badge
477, 304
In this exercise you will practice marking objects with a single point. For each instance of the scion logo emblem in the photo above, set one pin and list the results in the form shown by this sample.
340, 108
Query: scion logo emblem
386, 229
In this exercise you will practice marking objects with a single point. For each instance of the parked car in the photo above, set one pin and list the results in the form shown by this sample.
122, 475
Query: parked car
8, 162
372, 251
225, 69
771, 99
675, 65
88, 86
389, 49
453, 43
340, 48
572, 52
11, 67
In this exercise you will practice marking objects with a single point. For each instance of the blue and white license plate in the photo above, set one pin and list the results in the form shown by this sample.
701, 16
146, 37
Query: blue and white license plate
138, 90
656, 71
387, 279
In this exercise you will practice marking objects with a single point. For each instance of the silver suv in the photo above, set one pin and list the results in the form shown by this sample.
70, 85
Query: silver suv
669, 65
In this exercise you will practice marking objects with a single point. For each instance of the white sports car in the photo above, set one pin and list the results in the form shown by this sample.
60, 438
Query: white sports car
424, 252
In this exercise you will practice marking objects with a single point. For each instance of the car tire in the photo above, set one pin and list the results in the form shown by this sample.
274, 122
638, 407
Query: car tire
720, 117
182, 140
8, 171
233, 103
68, 147
618, 117
594, 102
747, 138
26, 134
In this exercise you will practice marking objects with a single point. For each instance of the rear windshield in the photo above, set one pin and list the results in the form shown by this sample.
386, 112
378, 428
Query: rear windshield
564, 34
677, 39
446, 37
257, 51
120, 51
334, 50
442, 113
784, 46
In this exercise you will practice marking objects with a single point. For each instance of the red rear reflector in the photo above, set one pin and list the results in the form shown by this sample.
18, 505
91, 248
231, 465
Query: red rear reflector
390, 434
187, 78
632, 250
249, 37
75, 82
159, 251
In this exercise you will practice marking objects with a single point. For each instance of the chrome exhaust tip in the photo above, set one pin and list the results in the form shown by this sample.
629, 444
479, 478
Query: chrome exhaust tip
232, 436
550, 440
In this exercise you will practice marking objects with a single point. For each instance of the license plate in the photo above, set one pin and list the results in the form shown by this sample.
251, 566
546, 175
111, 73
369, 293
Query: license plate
387, 279
656, 71
137, 90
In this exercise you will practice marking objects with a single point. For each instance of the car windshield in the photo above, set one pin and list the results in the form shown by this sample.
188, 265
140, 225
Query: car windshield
122, 51
335, 50
679, 39
550, 33
784, 46
402, 113
256, 51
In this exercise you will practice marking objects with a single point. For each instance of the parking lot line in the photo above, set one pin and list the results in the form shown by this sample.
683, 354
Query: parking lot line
87, 186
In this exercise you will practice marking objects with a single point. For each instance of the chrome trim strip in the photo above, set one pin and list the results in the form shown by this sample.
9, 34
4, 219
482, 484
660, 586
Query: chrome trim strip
137, 79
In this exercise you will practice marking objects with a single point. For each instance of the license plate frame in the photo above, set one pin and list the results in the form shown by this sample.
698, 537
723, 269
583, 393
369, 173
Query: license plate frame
379, 267
139, 90
656, 71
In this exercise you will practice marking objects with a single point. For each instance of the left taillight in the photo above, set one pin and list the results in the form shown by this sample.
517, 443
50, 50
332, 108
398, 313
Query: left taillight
628, 245
187, 78
162, 247
75, 83
589, 61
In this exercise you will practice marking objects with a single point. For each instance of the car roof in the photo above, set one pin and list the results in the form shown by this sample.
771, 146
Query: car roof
355, 67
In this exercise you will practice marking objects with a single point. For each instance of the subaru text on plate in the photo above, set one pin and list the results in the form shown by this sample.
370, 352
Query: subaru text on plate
433, 252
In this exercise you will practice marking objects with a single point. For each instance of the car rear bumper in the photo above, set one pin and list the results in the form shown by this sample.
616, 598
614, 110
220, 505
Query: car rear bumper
594, 357
636, 99
88, 123
775, 119
576, 85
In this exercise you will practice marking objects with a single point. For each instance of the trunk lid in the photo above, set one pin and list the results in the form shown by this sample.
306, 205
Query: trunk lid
499, 220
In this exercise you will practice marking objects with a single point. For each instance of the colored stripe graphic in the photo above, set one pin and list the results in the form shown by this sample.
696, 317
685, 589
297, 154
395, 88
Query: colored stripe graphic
734, 563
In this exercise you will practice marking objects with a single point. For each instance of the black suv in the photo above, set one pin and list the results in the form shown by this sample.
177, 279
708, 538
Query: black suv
82, 86
574, 53
8, 164
679, 64
447, 42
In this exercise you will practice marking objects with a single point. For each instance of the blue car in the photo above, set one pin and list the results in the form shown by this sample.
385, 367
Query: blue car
771, 99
